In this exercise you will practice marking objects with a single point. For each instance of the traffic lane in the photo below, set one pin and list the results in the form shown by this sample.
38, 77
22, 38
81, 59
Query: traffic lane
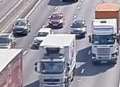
6, 5
101, 75
106, 75
69, 9
37, 20
29, 74
68, 12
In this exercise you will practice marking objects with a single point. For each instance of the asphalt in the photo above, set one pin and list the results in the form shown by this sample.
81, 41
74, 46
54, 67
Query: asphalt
6, 5
86, 74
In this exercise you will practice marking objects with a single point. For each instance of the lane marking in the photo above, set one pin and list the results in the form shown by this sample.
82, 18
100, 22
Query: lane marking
25, 52
82, 71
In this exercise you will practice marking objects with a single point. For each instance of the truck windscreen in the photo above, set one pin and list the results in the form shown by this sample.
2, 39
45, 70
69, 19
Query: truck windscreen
52, 67
52, 50
4, 40
103, 39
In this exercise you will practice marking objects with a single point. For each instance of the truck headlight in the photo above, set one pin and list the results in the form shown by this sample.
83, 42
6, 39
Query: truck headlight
114, 54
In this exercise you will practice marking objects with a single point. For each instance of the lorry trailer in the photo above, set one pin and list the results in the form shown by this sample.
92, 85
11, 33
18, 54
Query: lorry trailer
108, 11
11, 68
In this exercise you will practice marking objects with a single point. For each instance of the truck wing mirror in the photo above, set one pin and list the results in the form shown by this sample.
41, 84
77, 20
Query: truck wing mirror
68, 68
90, 40
118, 38
37, 67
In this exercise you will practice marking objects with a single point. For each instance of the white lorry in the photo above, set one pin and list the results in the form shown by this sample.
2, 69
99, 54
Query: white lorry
104, 39
56, 68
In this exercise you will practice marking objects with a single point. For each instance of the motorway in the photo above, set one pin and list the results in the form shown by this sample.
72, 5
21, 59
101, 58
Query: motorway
86, 74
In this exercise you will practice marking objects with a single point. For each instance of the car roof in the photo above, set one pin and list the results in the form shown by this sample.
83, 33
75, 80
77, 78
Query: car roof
78, 20
44, 30
21, 19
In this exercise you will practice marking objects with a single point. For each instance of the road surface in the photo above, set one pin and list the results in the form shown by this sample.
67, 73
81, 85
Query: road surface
86, 74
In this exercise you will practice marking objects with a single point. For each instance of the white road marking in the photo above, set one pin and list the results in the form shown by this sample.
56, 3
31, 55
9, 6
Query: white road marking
82, 71
25, 52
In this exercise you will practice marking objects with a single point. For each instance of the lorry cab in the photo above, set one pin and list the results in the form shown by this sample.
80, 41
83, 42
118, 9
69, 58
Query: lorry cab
105, 47
7, 40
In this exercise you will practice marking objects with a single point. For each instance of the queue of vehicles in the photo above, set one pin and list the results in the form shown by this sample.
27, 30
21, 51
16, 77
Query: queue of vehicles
58, 60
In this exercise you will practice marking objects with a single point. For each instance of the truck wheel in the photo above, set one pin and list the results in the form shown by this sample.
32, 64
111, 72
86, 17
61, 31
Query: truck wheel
67, 83
72, 77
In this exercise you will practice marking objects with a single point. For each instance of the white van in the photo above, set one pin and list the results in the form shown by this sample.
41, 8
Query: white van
41, 35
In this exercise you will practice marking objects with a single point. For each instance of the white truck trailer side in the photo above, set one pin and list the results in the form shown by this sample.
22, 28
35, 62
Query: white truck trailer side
11, 68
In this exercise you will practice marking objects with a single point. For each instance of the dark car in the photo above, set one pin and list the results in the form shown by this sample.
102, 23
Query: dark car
79, 28
21, 26
56, 20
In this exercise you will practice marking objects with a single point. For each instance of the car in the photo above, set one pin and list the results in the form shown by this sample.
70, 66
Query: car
56, 20
21, 27
79, 28
41, 35
70, 0
7, 40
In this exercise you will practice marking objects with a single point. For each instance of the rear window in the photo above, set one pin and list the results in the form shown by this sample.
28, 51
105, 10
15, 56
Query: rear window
42, 34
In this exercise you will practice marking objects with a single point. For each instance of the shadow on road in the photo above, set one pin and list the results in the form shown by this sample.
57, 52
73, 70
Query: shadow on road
34, 84
19, 36
87, 68
58, 3
83, 56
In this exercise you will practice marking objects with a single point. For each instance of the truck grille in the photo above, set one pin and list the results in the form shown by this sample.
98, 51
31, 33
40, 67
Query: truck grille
103, 51
51, 80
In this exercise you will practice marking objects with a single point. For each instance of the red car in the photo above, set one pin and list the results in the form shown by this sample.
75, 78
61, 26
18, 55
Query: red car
56, 20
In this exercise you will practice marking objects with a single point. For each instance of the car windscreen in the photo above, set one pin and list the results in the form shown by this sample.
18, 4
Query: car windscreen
20, 23
42, 34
